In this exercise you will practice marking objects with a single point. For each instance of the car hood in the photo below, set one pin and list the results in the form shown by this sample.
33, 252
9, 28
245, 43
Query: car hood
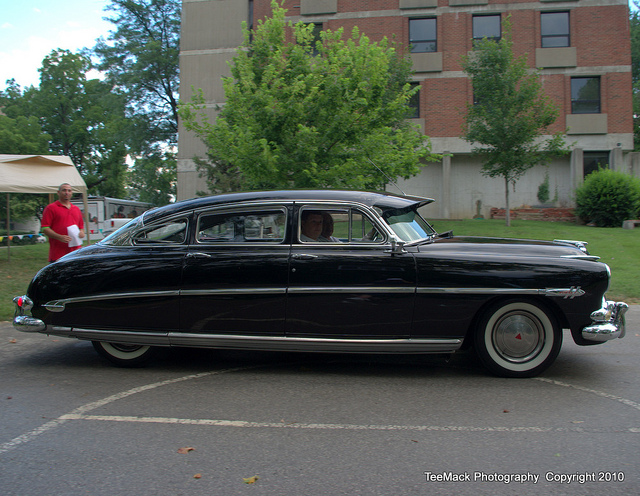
513, 247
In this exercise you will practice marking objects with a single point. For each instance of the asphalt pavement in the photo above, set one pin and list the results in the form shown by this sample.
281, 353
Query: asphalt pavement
205, 422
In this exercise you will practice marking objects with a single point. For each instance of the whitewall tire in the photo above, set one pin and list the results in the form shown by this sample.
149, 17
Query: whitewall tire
517, 338
125, 355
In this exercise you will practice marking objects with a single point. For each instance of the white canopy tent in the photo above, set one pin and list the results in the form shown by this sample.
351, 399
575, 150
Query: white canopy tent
39, 174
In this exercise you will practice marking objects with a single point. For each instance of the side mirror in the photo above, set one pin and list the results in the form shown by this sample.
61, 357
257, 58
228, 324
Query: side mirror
397, 247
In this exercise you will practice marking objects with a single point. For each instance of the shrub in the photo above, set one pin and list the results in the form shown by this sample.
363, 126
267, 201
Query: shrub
607, 198
543, 190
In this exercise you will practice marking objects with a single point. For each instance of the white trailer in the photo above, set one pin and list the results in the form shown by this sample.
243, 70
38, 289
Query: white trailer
108, 214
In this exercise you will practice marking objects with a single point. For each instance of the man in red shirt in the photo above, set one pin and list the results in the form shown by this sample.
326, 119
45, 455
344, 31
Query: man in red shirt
62, 223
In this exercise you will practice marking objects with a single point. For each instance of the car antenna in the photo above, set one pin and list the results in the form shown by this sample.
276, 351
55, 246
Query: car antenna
385, 175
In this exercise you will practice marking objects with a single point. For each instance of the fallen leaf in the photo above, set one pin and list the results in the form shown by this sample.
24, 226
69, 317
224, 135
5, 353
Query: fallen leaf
13, 341
184, 451
251, 480
197, 476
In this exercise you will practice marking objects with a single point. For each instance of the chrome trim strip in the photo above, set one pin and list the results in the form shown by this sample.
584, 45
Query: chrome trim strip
59, 305
592, 258
566, 293
222, 292
265, 343
581, 245
111, 336
284, 343
570, 293
353, 289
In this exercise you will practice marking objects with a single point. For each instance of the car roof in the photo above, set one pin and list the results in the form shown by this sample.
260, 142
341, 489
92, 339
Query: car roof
381, 199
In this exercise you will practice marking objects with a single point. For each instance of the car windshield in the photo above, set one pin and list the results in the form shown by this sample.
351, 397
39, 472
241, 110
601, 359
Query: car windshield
122, 236
407, 224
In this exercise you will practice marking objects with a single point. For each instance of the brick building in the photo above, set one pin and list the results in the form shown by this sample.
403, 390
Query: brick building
580, 47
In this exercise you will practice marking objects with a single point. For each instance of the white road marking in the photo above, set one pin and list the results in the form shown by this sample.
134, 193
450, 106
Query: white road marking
602, 394
28, 436
80, 413
302, 425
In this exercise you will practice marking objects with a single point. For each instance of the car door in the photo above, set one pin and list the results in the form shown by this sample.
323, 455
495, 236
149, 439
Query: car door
235, 274
133, 284
347, 284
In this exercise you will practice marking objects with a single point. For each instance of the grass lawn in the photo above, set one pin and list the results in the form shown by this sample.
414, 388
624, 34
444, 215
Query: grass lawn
619, 248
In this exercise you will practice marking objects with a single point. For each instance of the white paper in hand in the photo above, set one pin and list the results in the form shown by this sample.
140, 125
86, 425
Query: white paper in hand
74, 232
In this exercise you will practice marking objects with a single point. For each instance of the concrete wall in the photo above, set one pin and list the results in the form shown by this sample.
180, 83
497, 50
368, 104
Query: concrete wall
211, 33
467, 186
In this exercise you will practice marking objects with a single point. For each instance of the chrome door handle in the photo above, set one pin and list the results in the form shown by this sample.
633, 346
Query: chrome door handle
303, 256
198, 254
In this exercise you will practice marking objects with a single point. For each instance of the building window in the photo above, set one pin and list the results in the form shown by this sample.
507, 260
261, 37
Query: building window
414, 103
250, 21
554, 29
592, 161
487, 26
422, 35
585, 95
317, 29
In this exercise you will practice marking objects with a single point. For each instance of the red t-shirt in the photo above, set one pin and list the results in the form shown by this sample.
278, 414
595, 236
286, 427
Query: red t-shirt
58, 217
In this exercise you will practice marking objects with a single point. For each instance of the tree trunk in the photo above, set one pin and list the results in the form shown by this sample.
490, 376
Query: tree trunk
506, 196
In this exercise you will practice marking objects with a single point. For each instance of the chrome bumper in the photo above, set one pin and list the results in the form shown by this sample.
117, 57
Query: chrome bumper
607, 322
23, 322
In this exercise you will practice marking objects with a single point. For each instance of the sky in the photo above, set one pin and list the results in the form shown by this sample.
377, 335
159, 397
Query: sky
31, 29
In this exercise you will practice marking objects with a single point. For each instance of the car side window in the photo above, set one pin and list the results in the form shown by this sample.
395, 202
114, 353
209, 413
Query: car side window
174, 231
363, 229
241, 227
337, 225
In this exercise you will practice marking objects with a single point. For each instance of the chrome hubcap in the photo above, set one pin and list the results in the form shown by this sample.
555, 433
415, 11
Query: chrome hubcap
518, 336
126, 348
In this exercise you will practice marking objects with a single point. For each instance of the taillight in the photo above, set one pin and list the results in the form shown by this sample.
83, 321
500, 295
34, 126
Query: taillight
23, 302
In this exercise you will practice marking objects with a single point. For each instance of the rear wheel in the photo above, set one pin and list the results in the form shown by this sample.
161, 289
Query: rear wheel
125, 355
517, 338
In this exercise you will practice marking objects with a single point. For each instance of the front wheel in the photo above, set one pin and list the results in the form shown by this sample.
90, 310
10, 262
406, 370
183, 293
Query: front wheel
517, 339
125, 355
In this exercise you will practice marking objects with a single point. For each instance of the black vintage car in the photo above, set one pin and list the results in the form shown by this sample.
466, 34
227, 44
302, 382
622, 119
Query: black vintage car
329, 271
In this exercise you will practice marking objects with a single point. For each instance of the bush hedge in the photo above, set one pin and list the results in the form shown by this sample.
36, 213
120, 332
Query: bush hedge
608, 198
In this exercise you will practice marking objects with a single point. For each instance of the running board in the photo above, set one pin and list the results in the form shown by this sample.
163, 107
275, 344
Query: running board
266, 343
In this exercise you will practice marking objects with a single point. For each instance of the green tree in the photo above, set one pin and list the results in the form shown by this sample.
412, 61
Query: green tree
20, 134
310, 113
141, 58
510, 113
154, 178
85, 119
